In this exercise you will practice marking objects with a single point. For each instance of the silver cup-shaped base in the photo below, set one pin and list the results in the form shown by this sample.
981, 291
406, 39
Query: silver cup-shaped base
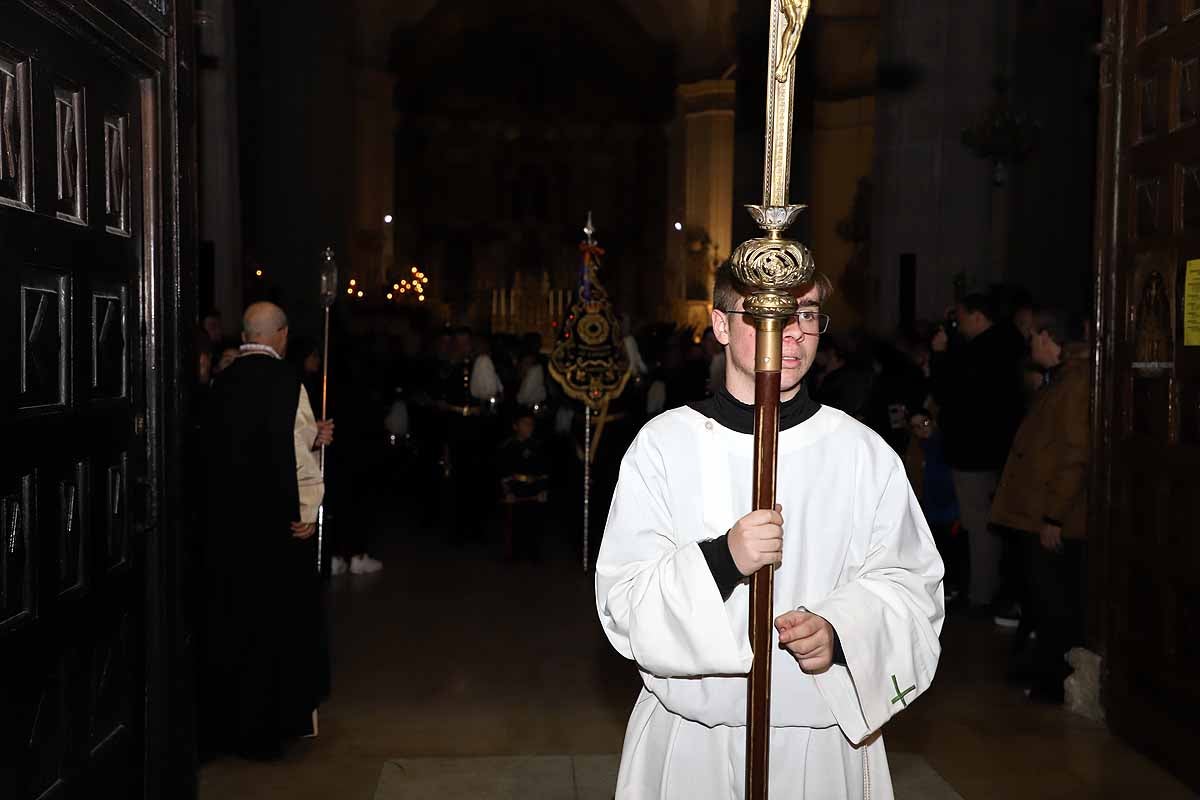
775, 218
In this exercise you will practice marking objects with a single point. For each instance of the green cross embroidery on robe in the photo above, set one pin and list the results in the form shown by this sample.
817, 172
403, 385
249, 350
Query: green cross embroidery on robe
899, 698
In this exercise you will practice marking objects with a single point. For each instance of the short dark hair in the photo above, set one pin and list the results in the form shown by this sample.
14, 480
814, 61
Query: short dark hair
727, 289
983, 303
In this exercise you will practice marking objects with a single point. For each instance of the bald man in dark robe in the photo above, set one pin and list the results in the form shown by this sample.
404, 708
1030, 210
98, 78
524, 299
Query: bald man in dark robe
263, 661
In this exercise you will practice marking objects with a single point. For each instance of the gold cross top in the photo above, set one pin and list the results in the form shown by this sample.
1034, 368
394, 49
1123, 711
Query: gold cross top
787, 23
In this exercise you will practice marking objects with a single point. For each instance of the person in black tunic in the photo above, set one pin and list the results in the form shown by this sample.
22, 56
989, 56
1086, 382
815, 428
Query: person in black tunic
263, 665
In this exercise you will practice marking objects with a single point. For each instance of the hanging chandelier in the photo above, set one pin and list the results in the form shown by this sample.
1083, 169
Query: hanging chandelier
1001, 135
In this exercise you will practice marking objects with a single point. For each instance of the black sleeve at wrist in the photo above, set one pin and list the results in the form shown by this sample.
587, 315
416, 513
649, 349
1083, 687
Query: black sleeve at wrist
839, 655
720, 563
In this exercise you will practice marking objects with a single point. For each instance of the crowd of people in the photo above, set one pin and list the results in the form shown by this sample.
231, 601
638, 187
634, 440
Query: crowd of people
987, 407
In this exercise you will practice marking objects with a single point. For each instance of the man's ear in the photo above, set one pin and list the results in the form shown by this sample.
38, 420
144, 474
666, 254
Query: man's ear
720, 326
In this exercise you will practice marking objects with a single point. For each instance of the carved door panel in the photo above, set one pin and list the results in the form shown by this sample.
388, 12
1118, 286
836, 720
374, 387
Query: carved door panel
1147, 418
73, 504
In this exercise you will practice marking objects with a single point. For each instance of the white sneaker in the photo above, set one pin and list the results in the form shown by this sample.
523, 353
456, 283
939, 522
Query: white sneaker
364, 565
337, 566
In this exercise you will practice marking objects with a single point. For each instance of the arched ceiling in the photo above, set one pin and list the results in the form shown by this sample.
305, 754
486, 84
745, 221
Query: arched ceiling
699, 32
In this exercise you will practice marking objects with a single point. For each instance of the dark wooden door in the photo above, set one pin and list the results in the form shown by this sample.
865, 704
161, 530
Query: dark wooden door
1146, 536
82, 327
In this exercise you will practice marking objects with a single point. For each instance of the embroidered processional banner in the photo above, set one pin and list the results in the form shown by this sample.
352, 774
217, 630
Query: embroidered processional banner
589, 359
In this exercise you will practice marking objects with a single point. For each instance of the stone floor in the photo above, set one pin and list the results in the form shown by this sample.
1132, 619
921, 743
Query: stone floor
451, 653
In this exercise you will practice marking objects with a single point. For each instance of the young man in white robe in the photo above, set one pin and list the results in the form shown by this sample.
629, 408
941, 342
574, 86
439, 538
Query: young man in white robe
858, 585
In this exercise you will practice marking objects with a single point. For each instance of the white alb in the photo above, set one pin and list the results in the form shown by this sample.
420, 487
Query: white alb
857, 551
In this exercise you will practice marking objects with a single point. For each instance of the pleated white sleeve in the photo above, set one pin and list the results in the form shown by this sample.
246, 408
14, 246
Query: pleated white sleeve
308, 468
655, 595
888, 618
485, 383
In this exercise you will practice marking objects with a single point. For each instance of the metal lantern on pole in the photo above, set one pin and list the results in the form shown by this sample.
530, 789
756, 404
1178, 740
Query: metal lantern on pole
329, 290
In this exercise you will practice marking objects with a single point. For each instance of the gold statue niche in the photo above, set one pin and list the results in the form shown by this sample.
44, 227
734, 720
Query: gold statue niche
1153, 340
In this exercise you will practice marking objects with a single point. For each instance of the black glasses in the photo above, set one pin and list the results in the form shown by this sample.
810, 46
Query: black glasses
810, 322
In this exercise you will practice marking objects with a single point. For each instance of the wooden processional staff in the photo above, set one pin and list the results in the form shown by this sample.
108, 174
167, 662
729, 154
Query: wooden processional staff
770, 268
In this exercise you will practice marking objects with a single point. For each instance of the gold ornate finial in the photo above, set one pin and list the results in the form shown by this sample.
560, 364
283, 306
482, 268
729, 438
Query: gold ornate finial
796, 12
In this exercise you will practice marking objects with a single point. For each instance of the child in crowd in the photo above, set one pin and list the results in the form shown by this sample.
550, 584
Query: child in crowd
933, 484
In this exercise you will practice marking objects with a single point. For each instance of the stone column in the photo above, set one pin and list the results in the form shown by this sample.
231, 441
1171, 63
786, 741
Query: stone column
220, 208
843, 146
374, 243
933, 197
705, 126
295, 114
845, 54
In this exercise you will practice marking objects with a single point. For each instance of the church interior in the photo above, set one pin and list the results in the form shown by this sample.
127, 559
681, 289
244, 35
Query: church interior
424, 185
